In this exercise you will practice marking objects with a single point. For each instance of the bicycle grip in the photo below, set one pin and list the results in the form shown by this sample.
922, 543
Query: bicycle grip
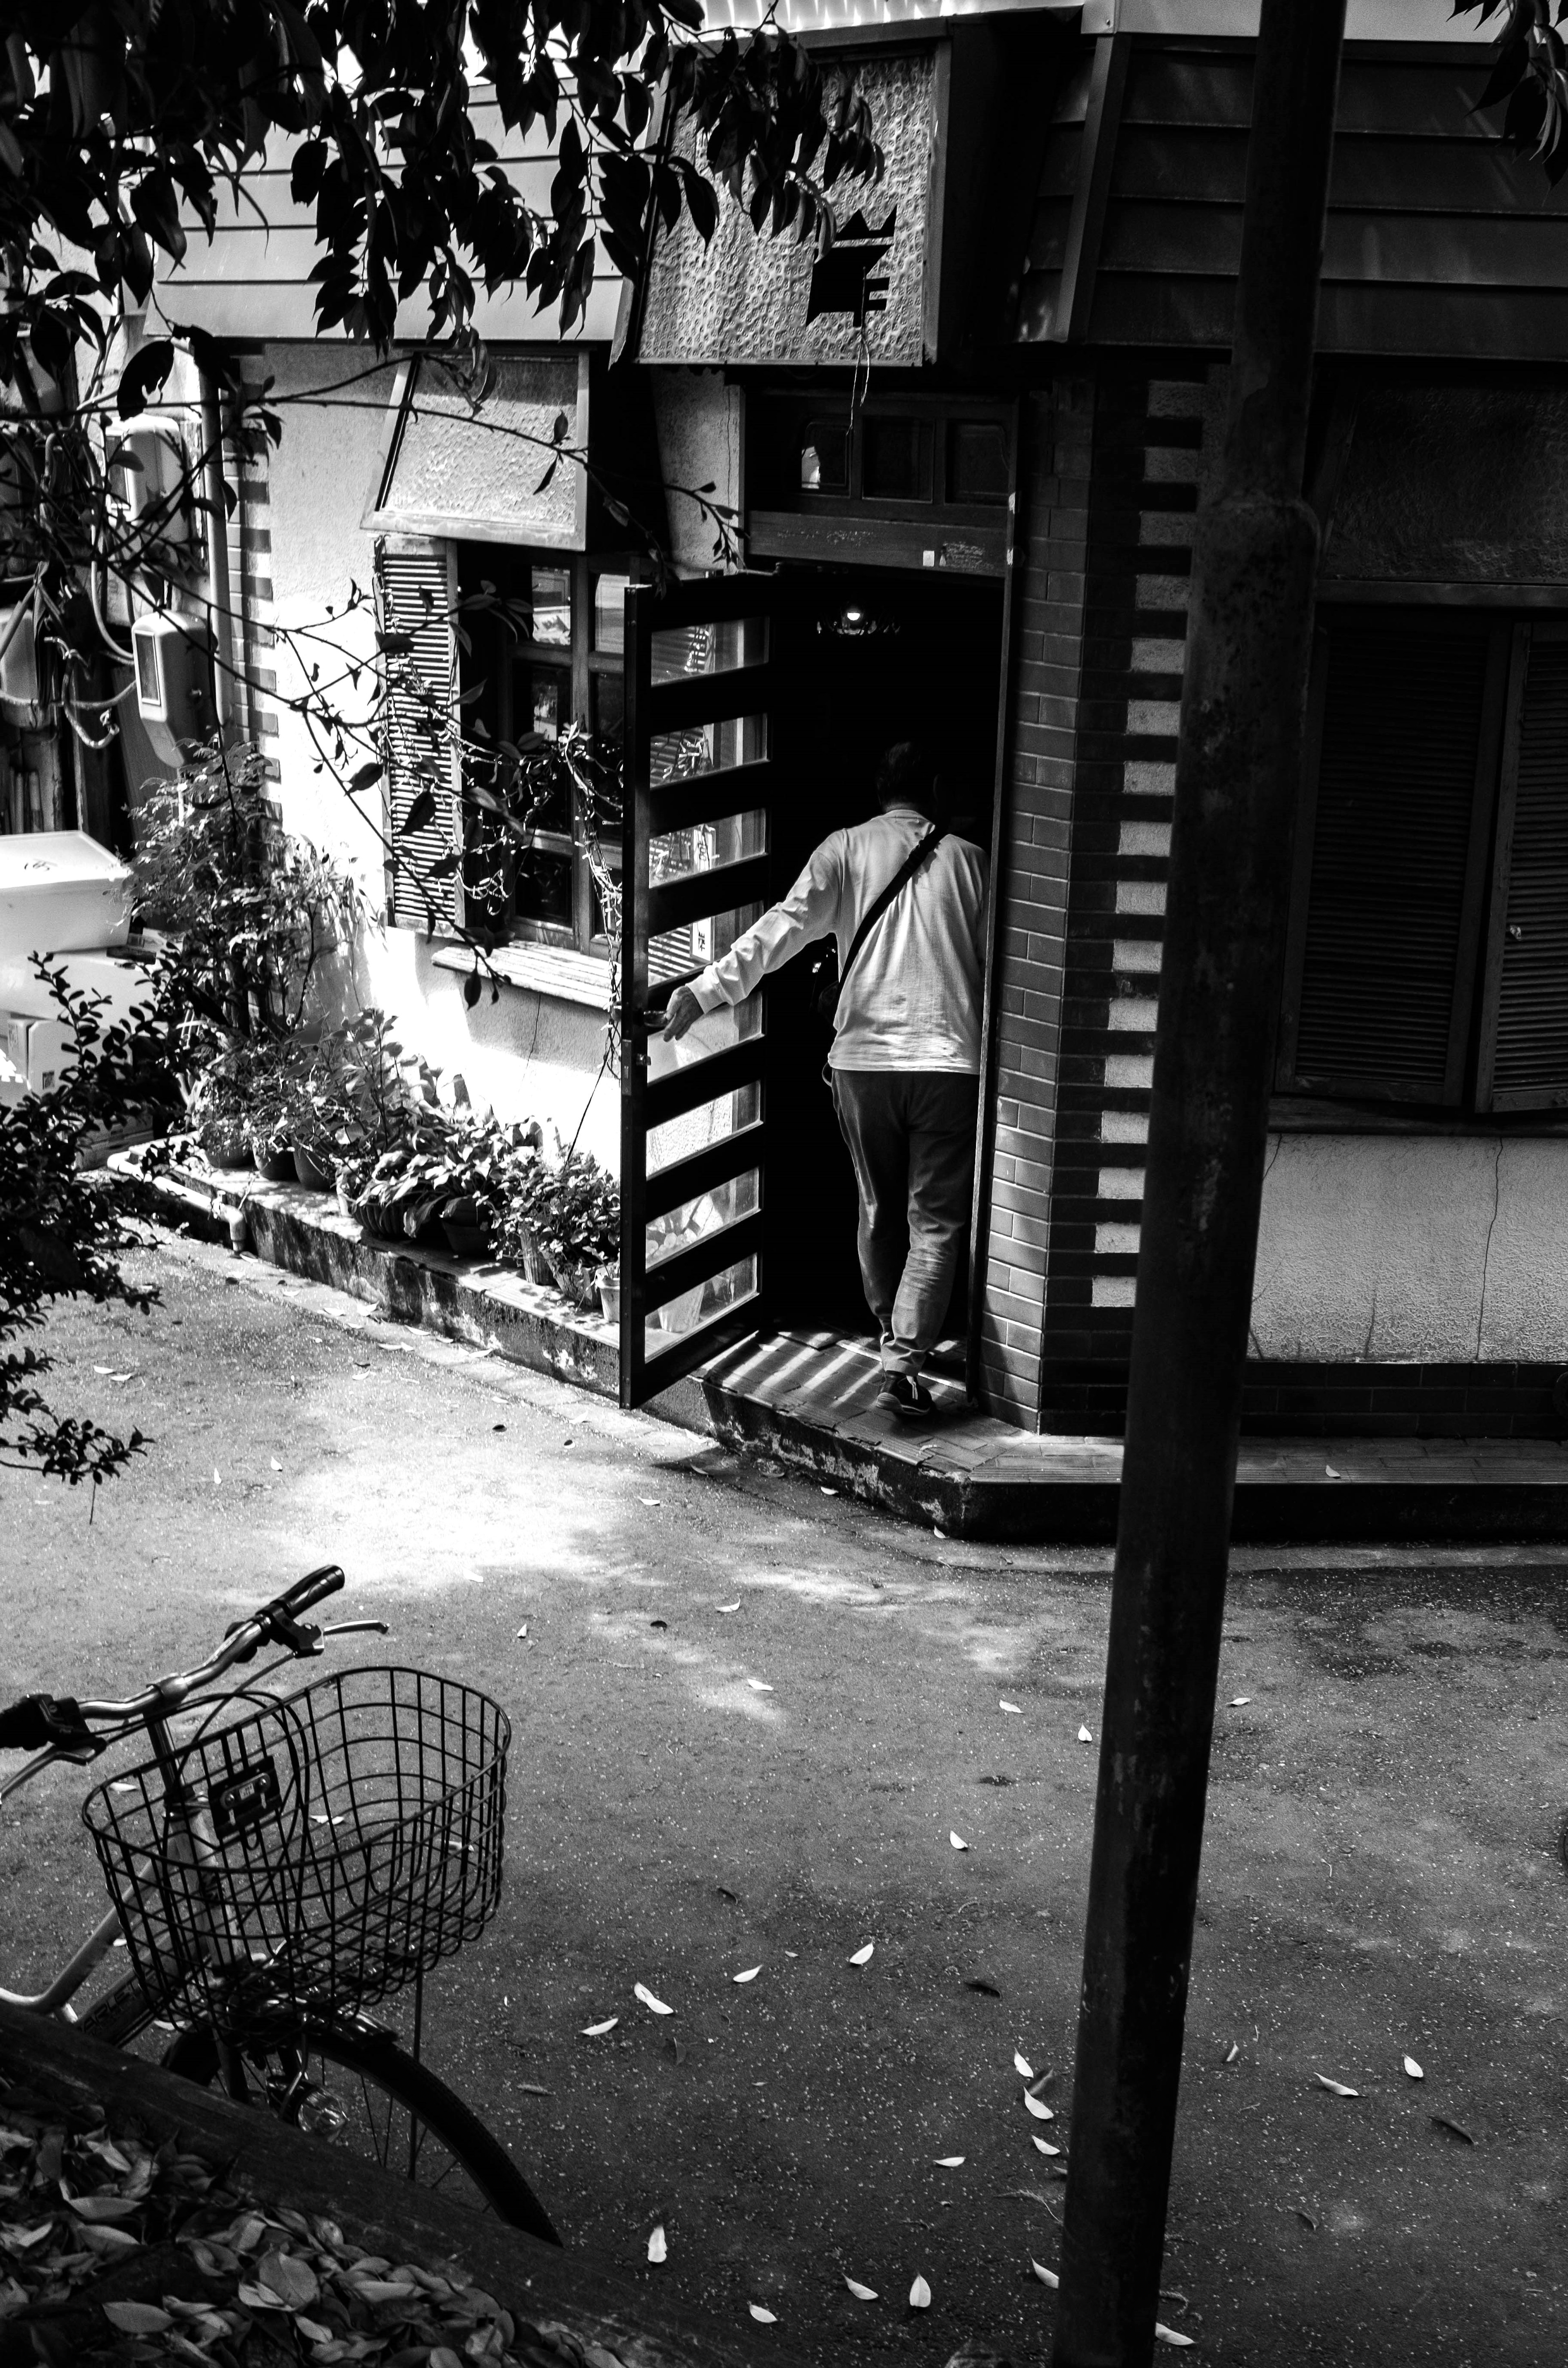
313, 1588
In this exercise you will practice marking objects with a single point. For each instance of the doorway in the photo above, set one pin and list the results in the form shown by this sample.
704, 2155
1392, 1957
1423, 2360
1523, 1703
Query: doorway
872, 657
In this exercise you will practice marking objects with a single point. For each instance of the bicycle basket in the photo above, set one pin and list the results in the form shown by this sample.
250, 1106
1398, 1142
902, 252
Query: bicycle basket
205, 1863
370, 1850
408, 1789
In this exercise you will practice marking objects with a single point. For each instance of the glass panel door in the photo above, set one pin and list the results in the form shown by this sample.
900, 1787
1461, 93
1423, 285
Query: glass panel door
697, 869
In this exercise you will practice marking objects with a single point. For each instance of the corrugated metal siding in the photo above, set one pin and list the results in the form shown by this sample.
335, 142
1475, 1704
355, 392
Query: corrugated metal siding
252, 280
1440, 240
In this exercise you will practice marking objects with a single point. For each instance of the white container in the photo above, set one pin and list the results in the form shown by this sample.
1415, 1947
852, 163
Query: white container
122, 979
59, 891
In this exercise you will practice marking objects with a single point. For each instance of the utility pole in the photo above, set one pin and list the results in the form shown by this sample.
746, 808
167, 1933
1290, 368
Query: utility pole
1238, 772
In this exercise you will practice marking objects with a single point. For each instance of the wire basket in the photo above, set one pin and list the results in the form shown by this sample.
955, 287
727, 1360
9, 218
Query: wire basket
317, 1852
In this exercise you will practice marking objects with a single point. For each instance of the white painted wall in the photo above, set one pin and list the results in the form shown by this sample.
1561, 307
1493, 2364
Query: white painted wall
1404, 1249
528, 1056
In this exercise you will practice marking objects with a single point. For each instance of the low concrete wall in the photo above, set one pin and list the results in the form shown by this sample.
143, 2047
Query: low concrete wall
1413, 1250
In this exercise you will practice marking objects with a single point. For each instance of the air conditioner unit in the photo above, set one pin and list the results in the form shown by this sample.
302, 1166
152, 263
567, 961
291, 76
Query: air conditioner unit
173, 680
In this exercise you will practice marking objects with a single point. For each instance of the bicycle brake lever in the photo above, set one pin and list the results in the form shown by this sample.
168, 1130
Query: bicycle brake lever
358, 1628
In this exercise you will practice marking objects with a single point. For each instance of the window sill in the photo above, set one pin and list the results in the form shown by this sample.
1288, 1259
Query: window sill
555, 970
1300, 1114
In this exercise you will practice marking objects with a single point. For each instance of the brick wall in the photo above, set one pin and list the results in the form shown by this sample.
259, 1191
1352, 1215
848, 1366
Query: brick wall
1050, 542
1147, 455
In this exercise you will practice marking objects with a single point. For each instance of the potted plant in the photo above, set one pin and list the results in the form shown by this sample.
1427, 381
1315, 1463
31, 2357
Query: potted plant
608, 1278
269, 1097
522, 1217
582, 1227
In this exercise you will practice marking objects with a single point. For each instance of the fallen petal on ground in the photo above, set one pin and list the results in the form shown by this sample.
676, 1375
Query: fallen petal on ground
654, 2006
658, 2246
1047, 2277
597, 2029
920, 2295
1334, 2088
863, 1956
860, 2293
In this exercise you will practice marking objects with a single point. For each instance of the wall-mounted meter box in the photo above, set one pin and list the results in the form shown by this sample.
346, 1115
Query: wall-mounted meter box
173, 680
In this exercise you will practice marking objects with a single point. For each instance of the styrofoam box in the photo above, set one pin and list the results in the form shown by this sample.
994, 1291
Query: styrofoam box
122, 978
41, 1049
59, 891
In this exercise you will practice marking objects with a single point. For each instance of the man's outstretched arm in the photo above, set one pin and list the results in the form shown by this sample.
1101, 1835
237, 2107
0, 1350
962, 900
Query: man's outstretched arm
809, 912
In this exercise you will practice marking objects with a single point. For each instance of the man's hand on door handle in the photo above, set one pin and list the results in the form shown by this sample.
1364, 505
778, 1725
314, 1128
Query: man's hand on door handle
679, 1013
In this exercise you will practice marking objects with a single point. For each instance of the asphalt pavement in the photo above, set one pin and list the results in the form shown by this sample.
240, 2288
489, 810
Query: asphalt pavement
752, 1721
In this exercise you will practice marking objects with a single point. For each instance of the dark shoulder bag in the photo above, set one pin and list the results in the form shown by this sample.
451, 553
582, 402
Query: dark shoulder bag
827, 982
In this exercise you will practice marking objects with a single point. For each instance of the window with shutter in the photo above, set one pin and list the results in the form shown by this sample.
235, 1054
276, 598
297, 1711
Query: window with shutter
1390, 857
418, 592
1524, 1056
1427, 961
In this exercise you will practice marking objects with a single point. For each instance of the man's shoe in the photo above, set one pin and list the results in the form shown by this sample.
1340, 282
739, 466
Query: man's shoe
909, 1399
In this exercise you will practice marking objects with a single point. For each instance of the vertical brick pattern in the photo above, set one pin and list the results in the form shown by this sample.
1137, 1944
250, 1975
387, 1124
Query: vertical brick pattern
250, 572
1051, 542
1144, 483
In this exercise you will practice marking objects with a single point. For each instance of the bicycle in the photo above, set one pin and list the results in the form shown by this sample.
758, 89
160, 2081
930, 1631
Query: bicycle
290, 1861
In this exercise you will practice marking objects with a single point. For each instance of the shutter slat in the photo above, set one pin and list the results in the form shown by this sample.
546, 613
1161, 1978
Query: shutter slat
1530, 1066
415, 600
1395, 796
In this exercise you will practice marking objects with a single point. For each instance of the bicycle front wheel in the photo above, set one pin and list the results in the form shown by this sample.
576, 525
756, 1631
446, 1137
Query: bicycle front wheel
364, 2096
358, 2091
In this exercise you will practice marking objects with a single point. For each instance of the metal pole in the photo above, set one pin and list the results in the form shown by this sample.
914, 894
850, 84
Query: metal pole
1238, 768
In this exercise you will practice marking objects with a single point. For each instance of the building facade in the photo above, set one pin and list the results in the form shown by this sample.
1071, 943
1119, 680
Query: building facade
966, 450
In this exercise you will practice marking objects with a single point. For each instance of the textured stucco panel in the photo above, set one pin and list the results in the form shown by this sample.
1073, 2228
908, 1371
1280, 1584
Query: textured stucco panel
456, 461
1408, 1249
745, 297
698, 419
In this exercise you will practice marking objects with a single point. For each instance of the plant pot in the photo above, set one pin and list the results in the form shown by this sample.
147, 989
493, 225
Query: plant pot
274, 1157
465, 1241
609, 1280
574, 1280
535, 1264
226, 1146
312, 1171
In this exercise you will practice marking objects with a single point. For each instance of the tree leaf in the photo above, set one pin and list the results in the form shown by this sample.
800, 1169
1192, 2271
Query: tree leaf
863, 1956
366, 775
654, 2005
658, 2246
291, 2280
137, 2317
421, 814
1334, 2088
1047, 2277
860, 2293
1040, 2110
920, 2295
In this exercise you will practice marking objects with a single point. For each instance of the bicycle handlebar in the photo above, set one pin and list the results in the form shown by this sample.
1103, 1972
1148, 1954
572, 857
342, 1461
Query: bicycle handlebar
63, 1729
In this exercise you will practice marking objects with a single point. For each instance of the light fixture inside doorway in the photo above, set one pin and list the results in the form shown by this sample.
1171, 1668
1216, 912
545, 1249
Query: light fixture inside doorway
857, 620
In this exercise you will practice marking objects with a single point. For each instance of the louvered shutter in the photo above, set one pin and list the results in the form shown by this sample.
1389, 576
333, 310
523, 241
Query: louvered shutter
1379, 1005
1528, 1057
417, 597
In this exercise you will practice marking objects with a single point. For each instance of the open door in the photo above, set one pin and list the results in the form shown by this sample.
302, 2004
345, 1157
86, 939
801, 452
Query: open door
698, 868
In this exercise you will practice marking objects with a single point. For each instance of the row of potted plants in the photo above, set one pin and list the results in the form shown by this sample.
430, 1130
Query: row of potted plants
352, 1113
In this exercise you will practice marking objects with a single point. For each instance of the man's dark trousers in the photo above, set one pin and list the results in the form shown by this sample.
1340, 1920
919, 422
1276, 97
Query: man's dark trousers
911, 1137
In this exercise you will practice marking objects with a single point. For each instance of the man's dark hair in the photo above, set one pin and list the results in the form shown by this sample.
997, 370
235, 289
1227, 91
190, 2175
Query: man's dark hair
907, 777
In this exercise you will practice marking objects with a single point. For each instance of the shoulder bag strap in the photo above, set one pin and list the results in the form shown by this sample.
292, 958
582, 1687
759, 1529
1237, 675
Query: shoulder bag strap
900, 881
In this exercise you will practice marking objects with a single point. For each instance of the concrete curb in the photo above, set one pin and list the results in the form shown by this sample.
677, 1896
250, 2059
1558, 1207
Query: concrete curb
306, 1234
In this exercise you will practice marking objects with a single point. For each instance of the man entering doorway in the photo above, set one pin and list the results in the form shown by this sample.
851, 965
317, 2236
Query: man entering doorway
905, 1058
